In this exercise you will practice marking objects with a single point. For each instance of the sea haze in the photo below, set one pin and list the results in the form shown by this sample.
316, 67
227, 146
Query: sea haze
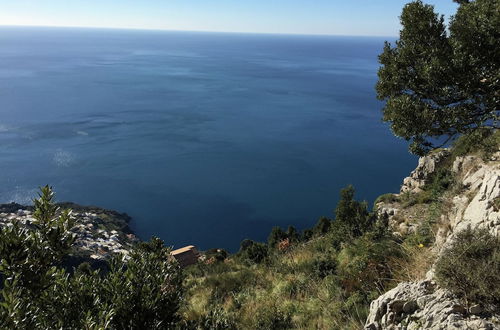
202, 138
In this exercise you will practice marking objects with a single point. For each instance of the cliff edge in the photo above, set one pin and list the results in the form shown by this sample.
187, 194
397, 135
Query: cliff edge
468, 189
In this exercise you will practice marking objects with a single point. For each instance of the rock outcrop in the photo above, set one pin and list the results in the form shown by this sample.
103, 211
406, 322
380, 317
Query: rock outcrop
474, 203
422, 305
426, 166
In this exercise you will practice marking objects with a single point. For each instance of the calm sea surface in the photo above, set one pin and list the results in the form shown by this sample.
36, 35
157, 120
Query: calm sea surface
202, 138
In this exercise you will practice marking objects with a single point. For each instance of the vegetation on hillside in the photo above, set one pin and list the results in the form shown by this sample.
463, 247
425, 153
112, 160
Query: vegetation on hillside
142, 290
323, 278
470, 268
327, 276
435, 84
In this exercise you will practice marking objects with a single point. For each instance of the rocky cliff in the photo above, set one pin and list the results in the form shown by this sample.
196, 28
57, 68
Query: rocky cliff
474, 201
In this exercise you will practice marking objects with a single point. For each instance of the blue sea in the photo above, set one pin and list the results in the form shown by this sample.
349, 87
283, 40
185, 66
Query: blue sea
203, 138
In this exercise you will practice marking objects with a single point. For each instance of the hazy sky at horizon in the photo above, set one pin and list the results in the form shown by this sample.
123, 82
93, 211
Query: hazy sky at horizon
341, 17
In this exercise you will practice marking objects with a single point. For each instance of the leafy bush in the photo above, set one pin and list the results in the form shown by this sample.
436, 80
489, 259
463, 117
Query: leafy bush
484, 140
324, 266
423, 235
364, 265
470, 267
352, 214
322, 226
307, 234
217, 255
253, 251
277, 235
292, 234
439, 182
143, 292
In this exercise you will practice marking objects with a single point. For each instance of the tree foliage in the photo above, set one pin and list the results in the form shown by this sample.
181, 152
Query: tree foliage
253, 251
141, 291
441, 81
277, 235
351, 214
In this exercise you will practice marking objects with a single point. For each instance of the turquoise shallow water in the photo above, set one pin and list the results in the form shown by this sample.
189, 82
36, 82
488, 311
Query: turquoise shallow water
202, 138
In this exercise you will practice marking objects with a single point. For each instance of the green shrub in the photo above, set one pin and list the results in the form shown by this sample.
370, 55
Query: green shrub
496, 204
277, 235
253, 252
470, 268
386, 198
423, 235
323, 266
364, 265
218, 255
352, 214
484, 140
307, 234
141, 292
322, 226
439, 182
292, 234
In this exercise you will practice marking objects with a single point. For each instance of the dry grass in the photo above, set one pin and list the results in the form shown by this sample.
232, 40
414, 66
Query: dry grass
414, 267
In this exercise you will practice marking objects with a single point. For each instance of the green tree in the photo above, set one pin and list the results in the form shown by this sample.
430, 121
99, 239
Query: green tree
440, 84
29, 260
145, 291
352, 215
253, 251
277, 235
322, 226
292, 234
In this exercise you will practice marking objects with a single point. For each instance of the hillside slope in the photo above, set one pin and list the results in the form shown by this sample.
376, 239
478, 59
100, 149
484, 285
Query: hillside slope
472, 201
373, 270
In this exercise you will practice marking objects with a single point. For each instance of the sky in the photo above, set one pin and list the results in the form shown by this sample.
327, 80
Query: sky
335, 17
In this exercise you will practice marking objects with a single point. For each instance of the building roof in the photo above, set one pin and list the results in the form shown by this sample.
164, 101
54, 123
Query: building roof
182, 250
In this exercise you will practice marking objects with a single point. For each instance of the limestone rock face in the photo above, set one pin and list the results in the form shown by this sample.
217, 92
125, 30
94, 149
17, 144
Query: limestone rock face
426, 166
477, 204
474, 203
422, 305
481, 210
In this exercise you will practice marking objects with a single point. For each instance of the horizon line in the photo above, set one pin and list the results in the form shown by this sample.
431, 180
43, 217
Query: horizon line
195, 31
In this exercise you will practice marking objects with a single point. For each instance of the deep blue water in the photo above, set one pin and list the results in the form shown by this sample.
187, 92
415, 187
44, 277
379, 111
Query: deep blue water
202, 138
